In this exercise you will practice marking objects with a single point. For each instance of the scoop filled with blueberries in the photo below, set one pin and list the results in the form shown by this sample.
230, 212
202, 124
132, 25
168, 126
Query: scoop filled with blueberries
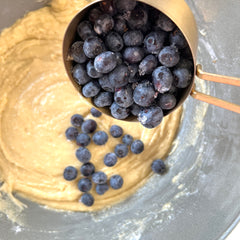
131, 59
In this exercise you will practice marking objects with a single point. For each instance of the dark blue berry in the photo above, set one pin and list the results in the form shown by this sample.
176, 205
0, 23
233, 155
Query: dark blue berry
133, 38
105, 62
121, 150
116, 131
167, 101
91, 89
95, 112
119, 76
114, 41
84, 185
89, 126
100, 138
87, 169
87, 199
103, 99
94, 14
164, 22
177, 39
125, 5
70, 173
169, 56
91, 71
158, 166
77, 120
106, 84
147, 65
93, 46
124, 96
83, 139
119, 112
138, 17
116, 181
80, 74
162, 79
110, 159
135, 109
83, 155
185, 63
99, 178
101, 188
108, 7
137, 146
120, 24
182, 77
133, 69
127, 139
76, 52
85, 30
119, 58
133, 54
150, 117
71, 133
103, 24
154, 41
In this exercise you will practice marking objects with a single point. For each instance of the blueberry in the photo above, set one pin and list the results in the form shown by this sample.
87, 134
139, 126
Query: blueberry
87, 169
114, 41
80, 74
105, 62
91, 89
127, 139
106, 84
119, 76
167, 101
119, 58
100, 138
76, 52
101, 188
99, 178
87, 199
110, 159
83, 155
94, 14
95, 112
119, 112
91, 71
108, 7
169, 56
182, 77
158, 166
147, 65
138, 17
133, 69
120, 24
176, 38
89, 126
133, 54
135, 109
77, 120
103, 24
144, 94
185, 63
133, 38
70, 173
71, 133
85, 30
124, 96
150, 117
162, 79
137, 146
84, 185
154, 41
164, 22
83, 139
121, 150
116, 181
116, 131
103, 99
93, 46
125, 5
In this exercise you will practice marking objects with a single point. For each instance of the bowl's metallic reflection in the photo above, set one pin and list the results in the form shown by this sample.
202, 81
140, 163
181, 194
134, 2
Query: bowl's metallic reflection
202, 202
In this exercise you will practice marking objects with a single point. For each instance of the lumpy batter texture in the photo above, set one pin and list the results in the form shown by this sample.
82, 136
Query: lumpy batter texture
37, 101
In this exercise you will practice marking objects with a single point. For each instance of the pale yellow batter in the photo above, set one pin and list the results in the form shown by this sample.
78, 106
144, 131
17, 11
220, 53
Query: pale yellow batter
36, 103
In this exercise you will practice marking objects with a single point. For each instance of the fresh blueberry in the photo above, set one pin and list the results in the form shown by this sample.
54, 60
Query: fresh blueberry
93, 46
119, 112
125, 5
95, 112
80, 74
121, 150
138, 17
176, 38
144, 94
167, 101
87, 169
185, 63
101, 188
120, 24
99, 178
103, 24
91, 71
103, 99
158, 166
119, 58
83, 139
83, 155
116, 131
71, 133
150, 117
110, 159
116, 181
164, 22
169, 56
70, 173
85, 30
147, 65
114, 41
137, 146
135, 109
162, 79
100, 138
133, 54
133, 69
154, 41
124, 96
94, 14
108, 7
89, 126
84, 184
133, 38
91, 89
76, 52
106, 84
87, 199
119, 76
182, 77
77, 120
127, 139
105, 62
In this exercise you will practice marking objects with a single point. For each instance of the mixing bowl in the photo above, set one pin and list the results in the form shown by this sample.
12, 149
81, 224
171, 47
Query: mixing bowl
199, 197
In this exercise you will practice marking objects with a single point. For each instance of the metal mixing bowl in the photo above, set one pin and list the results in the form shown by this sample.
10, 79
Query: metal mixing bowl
199, 197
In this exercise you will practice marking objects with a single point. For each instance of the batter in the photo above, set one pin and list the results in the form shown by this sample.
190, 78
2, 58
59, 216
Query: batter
37, 101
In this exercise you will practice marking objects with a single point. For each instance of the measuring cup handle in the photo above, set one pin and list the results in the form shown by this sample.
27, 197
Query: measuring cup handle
220, 79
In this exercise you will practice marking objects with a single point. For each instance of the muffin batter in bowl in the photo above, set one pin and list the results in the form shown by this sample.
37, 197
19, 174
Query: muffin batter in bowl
37, 101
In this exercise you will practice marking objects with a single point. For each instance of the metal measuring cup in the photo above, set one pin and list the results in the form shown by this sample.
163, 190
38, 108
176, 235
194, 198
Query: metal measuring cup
179, 12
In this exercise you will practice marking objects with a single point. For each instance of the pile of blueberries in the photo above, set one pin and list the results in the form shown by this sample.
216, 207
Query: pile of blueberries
131, 58
80, 133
